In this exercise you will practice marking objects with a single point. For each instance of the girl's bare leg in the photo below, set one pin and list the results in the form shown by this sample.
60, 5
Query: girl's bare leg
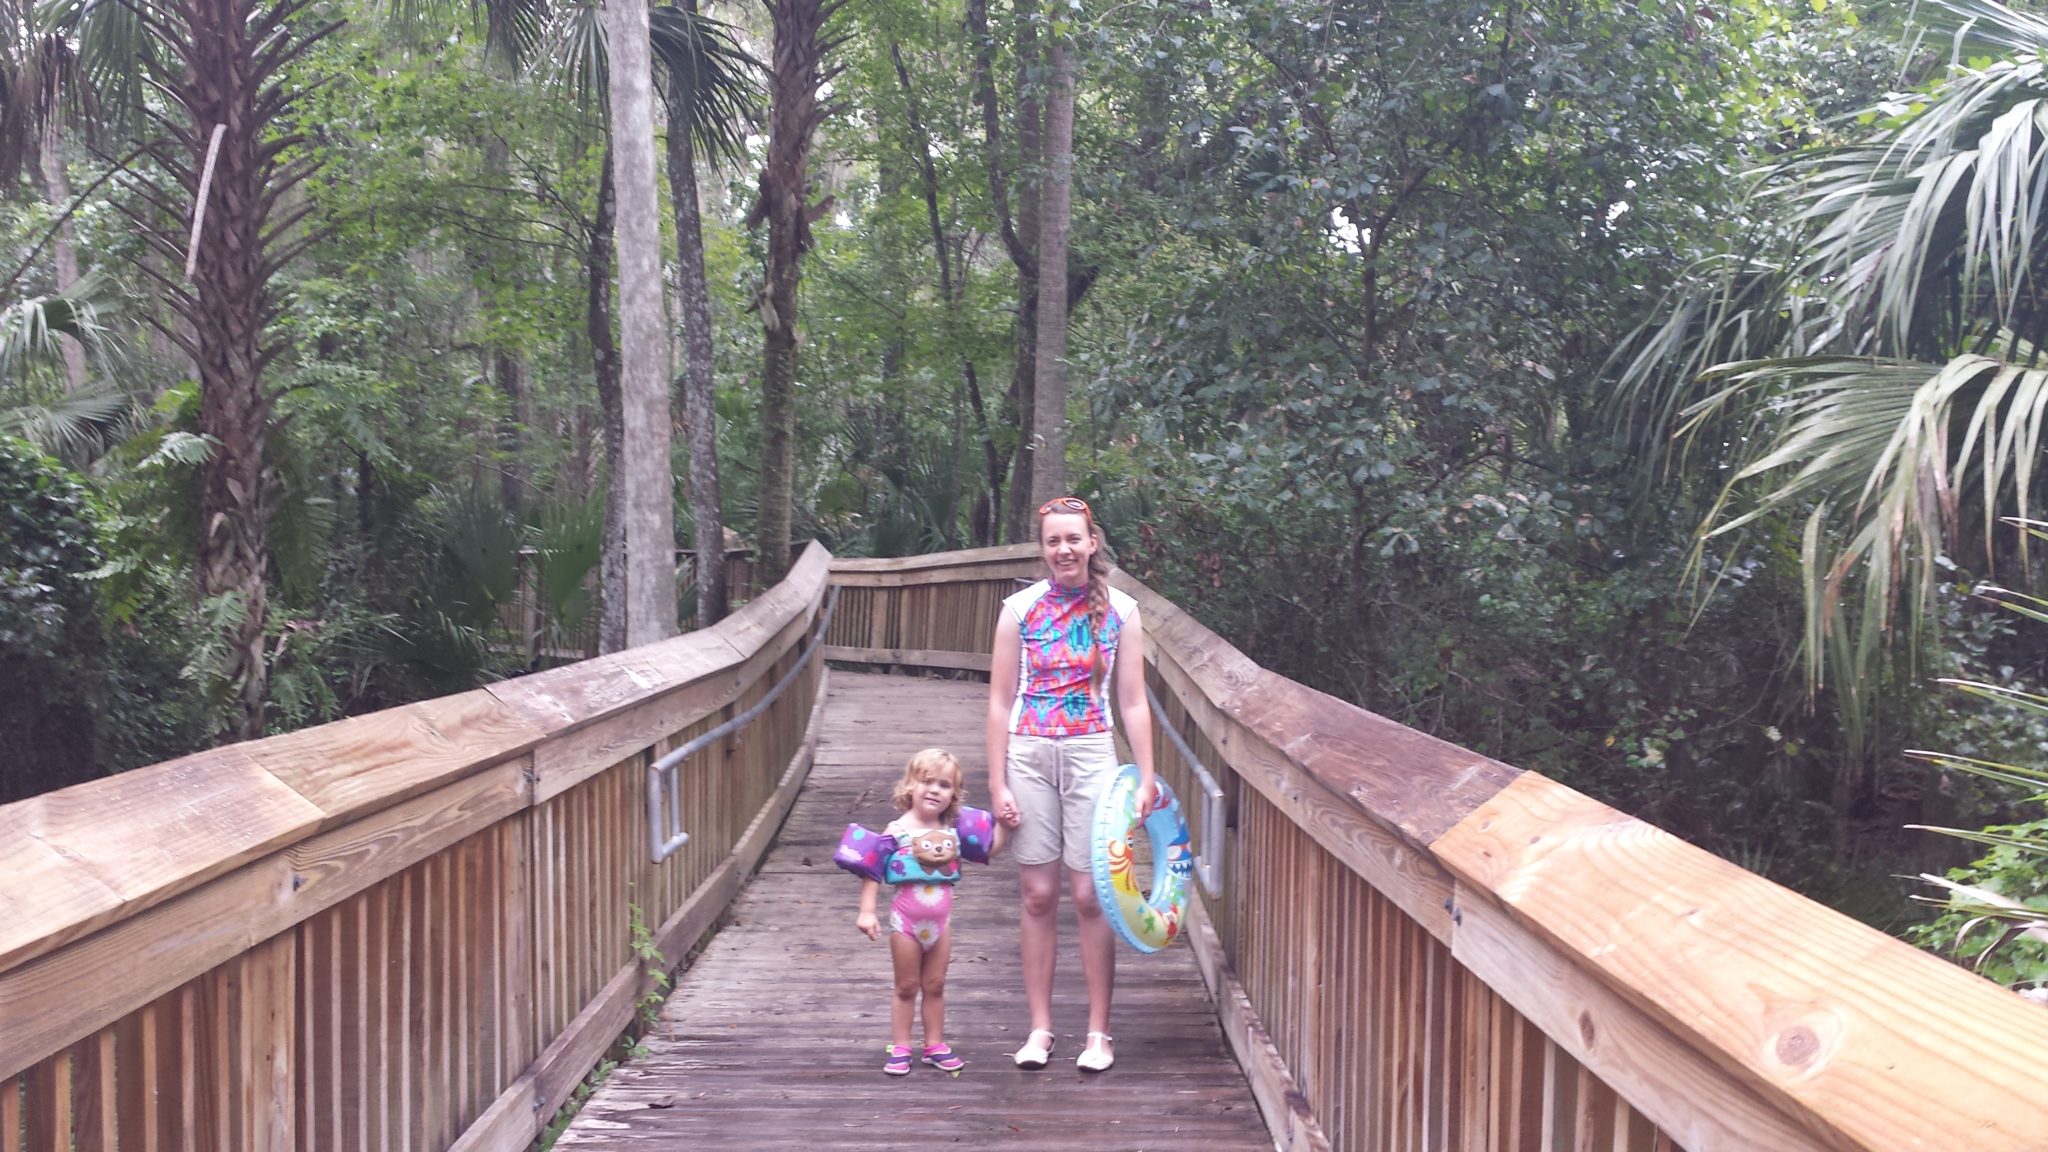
1040, 933
908, 961
934, 982
1098, 949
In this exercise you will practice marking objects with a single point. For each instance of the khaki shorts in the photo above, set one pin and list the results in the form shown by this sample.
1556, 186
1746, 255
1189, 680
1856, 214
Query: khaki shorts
1055, 781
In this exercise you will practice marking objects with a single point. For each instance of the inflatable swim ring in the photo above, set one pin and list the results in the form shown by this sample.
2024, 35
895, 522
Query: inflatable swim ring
1146, 923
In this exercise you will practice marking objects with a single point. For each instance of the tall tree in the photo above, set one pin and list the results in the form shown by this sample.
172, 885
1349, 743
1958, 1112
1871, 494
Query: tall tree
224, 220
1020, 235
795, 72
710, 92
1055, 217
988, 518
643, 329
604, 361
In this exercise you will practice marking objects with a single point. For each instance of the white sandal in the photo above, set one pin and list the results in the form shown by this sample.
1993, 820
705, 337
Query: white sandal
1033, 1054
1094, 1059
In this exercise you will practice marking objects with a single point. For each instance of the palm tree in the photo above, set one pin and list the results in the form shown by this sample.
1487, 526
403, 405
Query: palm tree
213, 204
795, 72
711, 95
1872, 363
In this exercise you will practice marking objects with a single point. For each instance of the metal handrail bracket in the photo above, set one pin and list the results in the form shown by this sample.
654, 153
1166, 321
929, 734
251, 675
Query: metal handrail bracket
1208, 861
665, 835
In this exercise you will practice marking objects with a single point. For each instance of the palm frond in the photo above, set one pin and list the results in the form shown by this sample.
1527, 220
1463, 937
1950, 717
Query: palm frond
29, 328
73, 426
713, 87
1872, 360
572, 57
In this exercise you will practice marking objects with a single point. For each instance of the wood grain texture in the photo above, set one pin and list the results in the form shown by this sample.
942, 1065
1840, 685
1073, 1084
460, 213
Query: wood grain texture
1289, 1118
907, 657
77, 859
934, 563
1368, 846
1014, 574
1677, 1089
1862, 1040
146, 956
354, 767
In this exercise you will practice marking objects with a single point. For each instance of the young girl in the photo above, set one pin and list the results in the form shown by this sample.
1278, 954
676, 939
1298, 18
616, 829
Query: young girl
918, 855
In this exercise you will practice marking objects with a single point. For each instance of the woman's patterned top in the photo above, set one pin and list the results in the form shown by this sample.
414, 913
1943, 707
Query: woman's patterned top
1058, 651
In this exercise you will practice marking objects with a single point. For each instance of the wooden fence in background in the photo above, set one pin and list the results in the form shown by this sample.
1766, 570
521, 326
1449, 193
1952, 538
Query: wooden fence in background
404, 931
1418, 949
414, 930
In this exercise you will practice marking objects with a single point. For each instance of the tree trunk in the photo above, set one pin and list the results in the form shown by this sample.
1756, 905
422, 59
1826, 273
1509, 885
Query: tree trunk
643, 327
700, 412
507, 367
57, 183
220, 74
514, 475
950, 292
794, 113
604, 364
1024, 364
1049, 399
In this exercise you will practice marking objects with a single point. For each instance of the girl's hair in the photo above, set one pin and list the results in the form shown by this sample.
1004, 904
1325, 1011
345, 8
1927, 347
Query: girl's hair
1098, 581
924, 766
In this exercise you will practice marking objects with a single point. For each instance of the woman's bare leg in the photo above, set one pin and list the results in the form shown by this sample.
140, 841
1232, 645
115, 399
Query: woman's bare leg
1040, 933
1098, 949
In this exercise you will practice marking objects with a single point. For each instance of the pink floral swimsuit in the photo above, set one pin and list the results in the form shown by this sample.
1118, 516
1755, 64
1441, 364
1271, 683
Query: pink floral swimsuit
922, 904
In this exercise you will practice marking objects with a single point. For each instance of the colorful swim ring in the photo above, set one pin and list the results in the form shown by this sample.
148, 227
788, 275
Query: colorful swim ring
1146, 923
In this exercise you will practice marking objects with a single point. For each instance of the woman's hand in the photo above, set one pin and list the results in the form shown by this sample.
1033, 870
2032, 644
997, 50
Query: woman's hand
868, 925
1148, 793
1006, 808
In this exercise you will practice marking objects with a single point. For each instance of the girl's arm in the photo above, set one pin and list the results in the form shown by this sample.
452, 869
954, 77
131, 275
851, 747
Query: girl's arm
866, 921
1134, 711
1002, 695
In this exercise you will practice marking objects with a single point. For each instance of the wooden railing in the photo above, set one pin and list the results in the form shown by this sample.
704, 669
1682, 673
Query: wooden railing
1419, 949
409, 930
415, 930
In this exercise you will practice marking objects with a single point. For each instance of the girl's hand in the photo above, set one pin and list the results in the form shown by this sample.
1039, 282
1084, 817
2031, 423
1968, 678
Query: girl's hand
1148, 793
1006, 808
869, 926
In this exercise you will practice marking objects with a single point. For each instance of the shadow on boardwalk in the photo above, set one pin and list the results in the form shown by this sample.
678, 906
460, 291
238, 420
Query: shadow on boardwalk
774, 1038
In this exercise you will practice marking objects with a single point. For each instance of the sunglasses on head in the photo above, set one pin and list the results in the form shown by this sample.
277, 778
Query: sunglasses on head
1063, 504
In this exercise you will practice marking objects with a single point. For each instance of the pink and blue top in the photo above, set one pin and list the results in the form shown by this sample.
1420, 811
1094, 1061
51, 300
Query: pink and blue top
1060, 648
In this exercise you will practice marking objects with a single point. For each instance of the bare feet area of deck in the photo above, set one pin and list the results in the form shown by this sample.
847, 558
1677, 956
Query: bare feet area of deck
775, 1037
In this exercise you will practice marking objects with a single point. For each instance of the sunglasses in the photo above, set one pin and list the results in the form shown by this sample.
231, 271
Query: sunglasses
1064, 504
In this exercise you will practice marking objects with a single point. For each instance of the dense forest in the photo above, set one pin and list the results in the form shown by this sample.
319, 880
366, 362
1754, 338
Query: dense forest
1647, 394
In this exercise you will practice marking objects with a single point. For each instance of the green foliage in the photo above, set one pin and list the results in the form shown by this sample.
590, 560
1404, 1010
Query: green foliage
1995, 911
1994, 908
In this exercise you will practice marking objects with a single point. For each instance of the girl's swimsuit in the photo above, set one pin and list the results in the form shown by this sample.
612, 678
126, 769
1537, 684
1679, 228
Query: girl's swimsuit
922, 904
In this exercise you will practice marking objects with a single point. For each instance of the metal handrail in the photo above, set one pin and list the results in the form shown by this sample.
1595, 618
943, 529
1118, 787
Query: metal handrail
665, 833
1209, 862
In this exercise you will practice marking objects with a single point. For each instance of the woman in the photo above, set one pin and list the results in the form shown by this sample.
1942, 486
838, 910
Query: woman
1061, 645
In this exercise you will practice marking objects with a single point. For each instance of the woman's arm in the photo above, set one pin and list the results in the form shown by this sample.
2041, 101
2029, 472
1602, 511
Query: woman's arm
866, 922
1002, 696
1133, 709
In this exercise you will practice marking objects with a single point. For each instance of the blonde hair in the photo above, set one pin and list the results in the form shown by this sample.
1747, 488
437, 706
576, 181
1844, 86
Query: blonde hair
924, 766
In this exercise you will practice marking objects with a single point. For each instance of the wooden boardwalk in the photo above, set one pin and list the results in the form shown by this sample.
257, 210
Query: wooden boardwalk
774, 1038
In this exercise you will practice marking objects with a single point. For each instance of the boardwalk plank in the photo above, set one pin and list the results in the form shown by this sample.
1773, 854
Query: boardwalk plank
774, 1038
